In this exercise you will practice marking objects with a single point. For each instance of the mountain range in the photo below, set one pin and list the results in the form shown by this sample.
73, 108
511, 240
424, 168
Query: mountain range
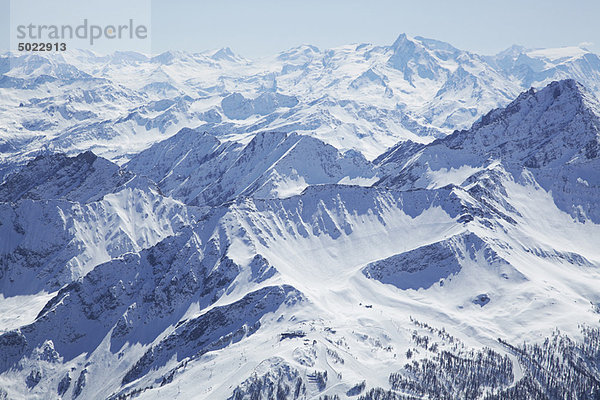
369, 222
362, 97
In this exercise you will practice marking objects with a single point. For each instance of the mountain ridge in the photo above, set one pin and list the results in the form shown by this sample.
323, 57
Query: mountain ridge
260, 258
368, 108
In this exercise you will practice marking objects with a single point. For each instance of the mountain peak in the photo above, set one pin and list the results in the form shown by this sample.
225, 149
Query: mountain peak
548, 127
513, 51
401, 41
85, 177
87, 156
302, 53
223, 54
567, 91
168, 57
568, 85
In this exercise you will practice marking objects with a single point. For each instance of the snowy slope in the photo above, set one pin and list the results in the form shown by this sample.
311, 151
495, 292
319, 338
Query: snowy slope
255, 254
63, 216
199, 169
552, 134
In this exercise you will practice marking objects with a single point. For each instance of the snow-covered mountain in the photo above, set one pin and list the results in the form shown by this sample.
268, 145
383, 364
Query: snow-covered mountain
299, 272
361, 97
199, 169
552, 134
246, 233
62, 216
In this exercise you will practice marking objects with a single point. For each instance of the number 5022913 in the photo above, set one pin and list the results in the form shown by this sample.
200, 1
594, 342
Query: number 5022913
42, 46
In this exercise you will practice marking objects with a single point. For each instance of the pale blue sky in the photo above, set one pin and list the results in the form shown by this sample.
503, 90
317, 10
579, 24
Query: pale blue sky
262, 27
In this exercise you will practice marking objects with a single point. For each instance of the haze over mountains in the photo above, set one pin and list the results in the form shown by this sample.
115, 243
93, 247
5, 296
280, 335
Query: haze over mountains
374, 222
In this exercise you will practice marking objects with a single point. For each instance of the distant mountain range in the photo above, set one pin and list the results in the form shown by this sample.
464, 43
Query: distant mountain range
361, 97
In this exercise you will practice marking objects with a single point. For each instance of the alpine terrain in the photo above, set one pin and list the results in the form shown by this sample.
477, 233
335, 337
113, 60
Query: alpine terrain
367, 222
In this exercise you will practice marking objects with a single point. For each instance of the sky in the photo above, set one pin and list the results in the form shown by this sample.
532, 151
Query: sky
263, 27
